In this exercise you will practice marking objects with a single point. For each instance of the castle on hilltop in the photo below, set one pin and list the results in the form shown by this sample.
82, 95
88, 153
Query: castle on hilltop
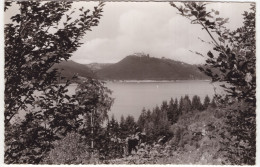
141, 54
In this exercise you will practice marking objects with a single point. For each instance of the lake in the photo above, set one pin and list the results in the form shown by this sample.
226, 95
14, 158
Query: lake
132, 97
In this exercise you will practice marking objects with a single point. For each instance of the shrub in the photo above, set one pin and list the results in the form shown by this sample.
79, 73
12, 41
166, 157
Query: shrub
69, 150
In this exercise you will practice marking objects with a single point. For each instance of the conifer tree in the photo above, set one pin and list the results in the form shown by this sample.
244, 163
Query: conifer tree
113, 127
123, 128
142, 119
196, 103
130, 125
206, 102
176, 111
171, 110
122, 120
164, 106
186, 104
181, 106
213, 103
148, 126
149, 113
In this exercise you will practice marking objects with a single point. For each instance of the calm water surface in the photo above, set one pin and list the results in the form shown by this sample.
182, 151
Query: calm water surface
132, 97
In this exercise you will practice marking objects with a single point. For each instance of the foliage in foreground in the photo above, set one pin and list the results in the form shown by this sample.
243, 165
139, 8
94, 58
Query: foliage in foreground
216, 136
194, 142
40, 35
71, 149
198, 138
31, 138
231, 61
195, 139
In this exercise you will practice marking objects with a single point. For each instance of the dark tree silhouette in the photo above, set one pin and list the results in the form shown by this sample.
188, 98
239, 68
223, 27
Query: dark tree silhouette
206, 102
233, 62
40, 35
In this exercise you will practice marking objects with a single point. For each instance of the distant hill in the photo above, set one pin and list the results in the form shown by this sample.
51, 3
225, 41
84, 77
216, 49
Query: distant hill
97, 66
133, 68
69, 68
150, 68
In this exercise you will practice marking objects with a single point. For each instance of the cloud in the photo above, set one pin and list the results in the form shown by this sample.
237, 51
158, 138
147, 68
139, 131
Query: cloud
148, 27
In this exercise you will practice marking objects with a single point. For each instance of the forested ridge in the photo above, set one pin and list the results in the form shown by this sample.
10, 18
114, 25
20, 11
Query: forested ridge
133, 67
73, 129
69, 69
146, 67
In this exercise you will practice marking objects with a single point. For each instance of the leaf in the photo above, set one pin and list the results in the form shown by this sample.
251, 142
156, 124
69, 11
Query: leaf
207, 23
195, 13
221, 40
210, 54
173, 4
185, 10
219, 19
226, 20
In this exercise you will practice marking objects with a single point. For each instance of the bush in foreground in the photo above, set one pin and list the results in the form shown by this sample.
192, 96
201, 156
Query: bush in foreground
70, 150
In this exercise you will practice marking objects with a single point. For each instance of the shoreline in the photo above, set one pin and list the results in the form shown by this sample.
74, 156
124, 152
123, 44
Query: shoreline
148, 81
152, 81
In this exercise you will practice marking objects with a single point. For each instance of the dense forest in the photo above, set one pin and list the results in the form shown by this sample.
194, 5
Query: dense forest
62, 129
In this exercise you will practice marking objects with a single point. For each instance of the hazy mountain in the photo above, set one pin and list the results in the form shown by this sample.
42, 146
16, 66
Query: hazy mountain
69, 68
97, 66
150, 68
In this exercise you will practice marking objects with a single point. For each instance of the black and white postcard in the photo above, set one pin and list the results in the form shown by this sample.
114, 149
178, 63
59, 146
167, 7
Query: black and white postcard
128, 82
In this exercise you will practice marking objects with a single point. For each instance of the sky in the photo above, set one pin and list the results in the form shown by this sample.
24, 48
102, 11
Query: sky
154, 28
